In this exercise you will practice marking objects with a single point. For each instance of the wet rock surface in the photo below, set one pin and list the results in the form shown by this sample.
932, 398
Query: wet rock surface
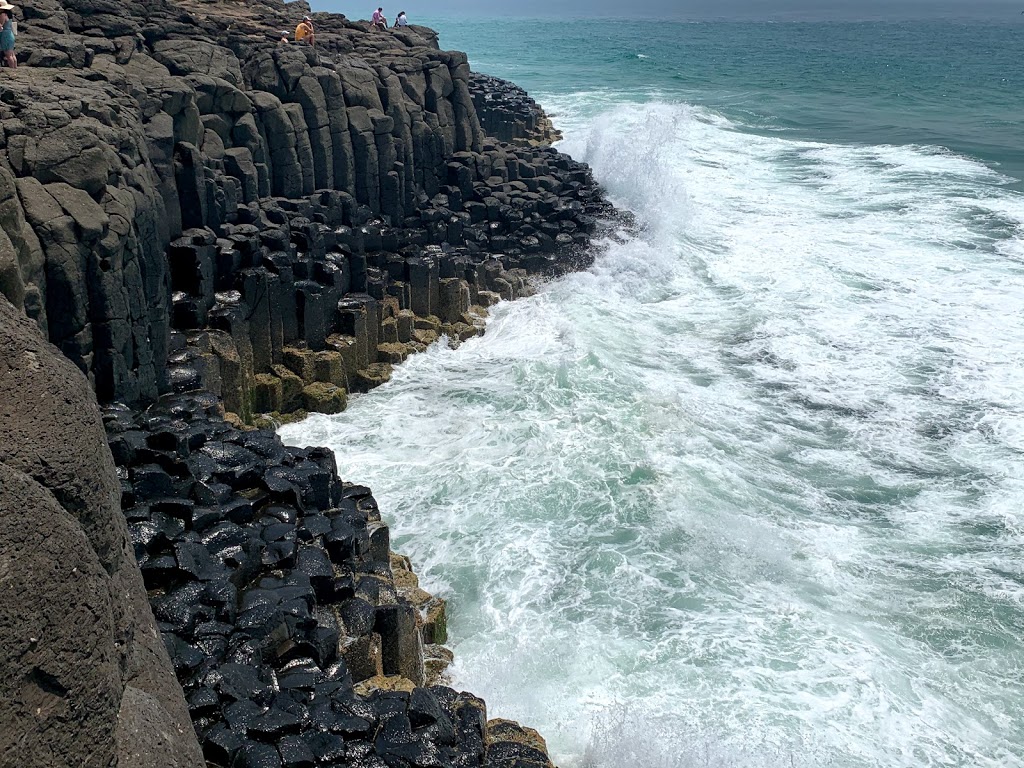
296, 641
298, 302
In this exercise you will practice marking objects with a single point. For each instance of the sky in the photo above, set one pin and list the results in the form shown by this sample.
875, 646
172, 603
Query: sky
780, 10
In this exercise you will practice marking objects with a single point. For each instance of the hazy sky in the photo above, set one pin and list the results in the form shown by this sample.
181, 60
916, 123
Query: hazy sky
692, 9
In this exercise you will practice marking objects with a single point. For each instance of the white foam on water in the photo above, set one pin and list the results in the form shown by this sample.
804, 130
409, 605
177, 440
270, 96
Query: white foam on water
749, 492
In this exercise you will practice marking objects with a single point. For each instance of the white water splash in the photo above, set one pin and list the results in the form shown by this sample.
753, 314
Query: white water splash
749, 492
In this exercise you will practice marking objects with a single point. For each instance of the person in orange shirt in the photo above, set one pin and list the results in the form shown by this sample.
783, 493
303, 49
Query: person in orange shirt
304, 32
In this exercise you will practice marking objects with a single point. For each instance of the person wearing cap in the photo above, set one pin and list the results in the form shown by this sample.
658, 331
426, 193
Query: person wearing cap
284, 36
304, 32
378, 21
7, 34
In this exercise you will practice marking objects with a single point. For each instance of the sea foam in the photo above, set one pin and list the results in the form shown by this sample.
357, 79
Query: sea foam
747, 492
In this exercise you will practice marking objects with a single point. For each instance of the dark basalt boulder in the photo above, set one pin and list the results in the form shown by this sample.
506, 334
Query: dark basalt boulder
86, 678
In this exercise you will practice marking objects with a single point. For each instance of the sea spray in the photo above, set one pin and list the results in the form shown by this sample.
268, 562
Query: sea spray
757, 472
629, 736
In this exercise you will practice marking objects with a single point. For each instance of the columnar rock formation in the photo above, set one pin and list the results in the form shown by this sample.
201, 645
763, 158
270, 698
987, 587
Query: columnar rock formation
217, 230
166, 170
508, 113
280, 599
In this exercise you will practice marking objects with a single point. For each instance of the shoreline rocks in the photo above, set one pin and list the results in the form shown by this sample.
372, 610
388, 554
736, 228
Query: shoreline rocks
298, 636
340, 299
291, 625
218, 232
507, 112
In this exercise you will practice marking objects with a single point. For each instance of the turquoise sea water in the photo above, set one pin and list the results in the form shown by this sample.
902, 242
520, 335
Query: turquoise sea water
958, 85
750, 492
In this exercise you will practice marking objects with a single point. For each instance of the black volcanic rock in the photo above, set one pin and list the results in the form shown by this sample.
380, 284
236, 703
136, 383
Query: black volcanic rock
258, 608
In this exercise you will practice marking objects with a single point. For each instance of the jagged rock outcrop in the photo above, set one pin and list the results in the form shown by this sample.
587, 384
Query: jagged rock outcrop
167, 123
87, 680
117, 144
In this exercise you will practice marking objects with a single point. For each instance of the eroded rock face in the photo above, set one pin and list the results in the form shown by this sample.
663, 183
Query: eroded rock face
76, 631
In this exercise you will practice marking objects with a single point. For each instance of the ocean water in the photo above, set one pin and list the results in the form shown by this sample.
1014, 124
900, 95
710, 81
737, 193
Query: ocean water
749, 492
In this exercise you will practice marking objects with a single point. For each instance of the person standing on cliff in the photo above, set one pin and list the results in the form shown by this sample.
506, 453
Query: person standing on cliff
304, 32
7, 34
377, 21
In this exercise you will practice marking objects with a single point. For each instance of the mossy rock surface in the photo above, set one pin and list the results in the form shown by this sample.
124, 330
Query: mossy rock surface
436, 660
323, 397
500, 729
429, 323
385, 683
330, 366
301, 362
393, 353
373, 376
266, 393
511, 744
465, 331
435, 621
425, 337
291, 389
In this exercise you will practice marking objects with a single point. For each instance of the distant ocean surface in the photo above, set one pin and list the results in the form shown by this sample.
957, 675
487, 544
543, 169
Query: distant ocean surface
750, 492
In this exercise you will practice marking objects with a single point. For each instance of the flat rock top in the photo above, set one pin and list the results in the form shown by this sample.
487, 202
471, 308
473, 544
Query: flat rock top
66, 34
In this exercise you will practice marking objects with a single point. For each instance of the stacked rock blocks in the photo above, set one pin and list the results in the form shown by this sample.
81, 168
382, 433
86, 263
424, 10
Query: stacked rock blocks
199, 217
508, 113
169, 166
299, 302
296, 642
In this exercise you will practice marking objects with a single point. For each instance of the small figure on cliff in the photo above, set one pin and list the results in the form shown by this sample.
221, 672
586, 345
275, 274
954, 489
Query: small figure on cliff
284, 36
377, 21
7, 34
401, 20
304, 32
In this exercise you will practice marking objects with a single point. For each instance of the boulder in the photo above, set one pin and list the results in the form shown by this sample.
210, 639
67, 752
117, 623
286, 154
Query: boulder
77, 628
324, 397
61, 686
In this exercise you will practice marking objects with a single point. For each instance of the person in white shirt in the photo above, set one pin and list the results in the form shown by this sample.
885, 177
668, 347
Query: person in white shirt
401, 21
